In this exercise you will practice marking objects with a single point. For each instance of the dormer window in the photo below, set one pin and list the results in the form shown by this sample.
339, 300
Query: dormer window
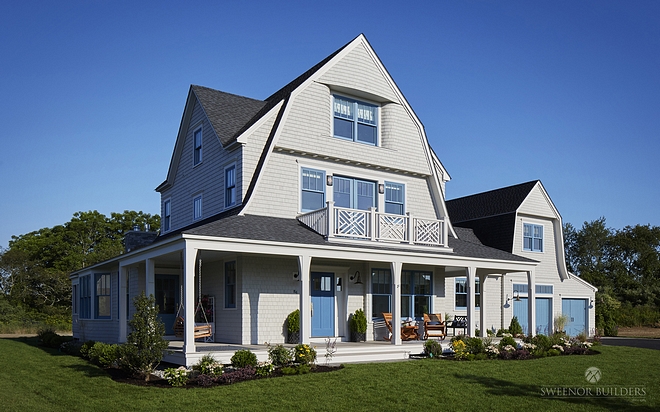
197, 150
355, 120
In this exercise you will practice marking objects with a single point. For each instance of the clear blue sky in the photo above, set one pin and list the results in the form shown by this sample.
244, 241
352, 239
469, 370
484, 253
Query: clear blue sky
92, 93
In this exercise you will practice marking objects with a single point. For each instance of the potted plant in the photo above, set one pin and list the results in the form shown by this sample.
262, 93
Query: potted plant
358, 326
293, 327
560, 322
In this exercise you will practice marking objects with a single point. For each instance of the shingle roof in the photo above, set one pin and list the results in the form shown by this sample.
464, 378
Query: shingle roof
285, 230
227, 112
491, 203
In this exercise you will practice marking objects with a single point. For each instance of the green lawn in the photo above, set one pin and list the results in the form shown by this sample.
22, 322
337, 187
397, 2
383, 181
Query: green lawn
34, 378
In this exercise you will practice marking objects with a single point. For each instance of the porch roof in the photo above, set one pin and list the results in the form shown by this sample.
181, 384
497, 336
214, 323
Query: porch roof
276, 229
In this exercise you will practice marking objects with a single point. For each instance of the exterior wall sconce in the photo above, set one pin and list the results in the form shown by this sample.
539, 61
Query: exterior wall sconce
338, 284
381, 188
591, 303
516, 296
356, 278
328, 180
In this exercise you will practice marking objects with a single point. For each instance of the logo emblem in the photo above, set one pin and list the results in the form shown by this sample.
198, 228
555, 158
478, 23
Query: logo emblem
592, 375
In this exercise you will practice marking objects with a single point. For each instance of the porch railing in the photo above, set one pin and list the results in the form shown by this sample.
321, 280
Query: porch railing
371, 225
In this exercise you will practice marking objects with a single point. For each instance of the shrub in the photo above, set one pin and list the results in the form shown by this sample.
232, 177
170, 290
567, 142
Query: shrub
541, 342
475, 346
554, 352
264, 369
208, 366
84, 349
244, 358
279, 355
432, 348
296, 370
459, 348
103, 354
304, 354
205, 380
514, 327
238, 375
507, 341
177, 376
501, 332
144, 346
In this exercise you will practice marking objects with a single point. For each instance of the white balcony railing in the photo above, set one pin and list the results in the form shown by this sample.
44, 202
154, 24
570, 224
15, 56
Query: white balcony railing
369, 224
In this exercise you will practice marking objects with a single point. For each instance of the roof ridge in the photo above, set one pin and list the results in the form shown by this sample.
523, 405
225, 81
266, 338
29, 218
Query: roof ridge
494, 190
194, 86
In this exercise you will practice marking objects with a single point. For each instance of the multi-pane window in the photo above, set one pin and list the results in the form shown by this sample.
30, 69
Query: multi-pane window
197, 150
415, 293
355, 120
230, 284
74, 299
354, 193
394, 198
313, 190
532, 237
381, 292
102, 298
230, 186
461, 293
85, 298
167, 215
523, 289
197, 207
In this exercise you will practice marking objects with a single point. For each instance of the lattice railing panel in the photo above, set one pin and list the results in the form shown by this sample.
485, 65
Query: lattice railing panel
353, 223
392, 227
428, 231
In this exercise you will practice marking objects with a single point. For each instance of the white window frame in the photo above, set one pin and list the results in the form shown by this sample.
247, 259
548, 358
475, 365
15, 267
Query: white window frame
197, 148
197, 207
477, 287
533, 238
403, 195
167, 215
233, 187
355, 121
302, 189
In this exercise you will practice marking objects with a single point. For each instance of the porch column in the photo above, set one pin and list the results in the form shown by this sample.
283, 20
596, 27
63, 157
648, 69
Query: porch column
304, 264
471, 323
189, 257
150, 277
395, 267
482, 305
123, 290
531, 302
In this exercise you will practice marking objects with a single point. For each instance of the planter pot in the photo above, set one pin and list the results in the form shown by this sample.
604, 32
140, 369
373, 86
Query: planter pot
293, 337
358, 337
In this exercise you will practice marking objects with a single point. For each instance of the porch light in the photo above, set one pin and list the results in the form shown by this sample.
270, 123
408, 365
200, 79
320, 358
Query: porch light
328, 180
516, 296
381, 188
356, 278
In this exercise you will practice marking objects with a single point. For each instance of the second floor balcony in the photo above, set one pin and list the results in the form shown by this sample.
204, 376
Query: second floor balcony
338, 222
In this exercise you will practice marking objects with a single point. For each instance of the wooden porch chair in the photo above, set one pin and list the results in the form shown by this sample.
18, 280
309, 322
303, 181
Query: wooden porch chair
434, 326
407, 332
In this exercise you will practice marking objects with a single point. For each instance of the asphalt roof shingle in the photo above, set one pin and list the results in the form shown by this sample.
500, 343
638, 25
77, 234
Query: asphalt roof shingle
491, 203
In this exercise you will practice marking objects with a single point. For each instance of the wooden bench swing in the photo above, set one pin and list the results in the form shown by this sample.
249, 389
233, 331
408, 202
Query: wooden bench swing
201, 331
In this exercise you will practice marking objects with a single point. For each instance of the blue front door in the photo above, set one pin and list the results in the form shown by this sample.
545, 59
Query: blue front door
576, 309
323, 304
521, 310
167, 299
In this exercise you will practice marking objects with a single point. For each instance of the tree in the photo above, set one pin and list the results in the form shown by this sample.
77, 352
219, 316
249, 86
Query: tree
144, 346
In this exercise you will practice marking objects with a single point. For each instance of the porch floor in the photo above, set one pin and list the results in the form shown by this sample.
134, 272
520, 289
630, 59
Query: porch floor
345, 352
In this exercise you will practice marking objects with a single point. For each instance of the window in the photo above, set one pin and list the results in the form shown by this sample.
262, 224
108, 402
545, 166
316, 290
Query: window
523, 289
532, 237
355, 120
313, 190
197, 149
461, 294
394, 198
102, 296
85, 298
230, 186
74, 299
381, 292
354, 193
415, 293
197, 207
230, 284
167, 213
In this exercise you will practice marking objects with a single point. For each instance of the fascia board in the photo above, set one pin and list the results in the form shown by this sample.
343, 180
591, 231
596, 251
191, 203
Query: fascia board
338, 252
242, 138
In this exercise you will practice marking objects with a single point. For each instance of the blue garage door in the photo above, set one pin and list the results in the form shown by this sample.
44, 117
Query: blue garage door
543, 314
576, 309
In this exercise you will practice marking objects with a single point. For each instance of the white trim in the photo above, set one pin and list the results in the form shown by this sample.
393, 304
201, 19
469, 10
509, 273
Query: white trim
573, 276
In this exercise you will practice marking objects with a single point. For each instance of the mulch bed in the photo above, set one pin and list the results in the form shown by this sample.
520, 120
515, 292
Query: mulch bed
121, 376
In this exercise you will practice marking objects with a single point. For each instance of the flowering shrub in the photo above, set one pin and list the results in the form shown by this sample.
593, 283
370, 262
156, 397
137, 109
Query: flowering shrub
279, 355
459, 349
264, 369
432, 348
304, 354
177, 376
208, 366
492, 351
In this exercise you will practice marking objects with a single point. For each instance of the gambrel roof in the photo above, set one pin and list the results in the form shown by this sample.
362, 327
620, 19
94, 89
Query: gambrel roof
492, 215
